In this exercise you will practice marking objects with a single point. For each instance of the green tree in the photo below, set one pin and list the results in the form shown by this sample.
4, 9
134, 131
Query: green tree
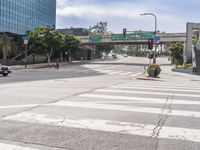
45, 41
118, 49
48, 41
177, 53
70, 43
100, 28
7, 45
105, 48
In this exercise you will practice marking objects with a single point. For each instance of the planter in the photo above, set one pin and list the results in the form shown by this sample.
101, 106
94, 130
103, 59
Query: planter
153, 70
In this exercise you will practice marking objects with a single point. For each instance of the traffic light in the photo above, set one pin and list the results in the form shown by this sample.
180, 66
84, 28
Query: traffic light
124, 32
150, 44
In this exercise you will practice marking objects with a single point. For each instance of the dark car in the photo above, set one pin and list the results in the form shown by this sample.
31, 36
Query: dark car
4, 70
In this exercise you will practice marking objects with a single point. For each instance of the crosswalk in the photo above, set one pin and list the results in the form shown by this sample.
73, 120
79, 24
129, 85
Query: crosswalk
157, 101
108, 70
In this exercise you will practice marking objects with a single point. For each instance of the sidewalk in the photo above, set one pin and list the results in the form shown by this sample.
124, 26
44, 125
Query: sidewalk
168, 77
45, 65
178, 78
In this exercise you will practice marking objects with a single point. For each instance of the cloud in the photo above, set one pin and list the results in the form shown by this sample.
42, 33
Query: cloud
89, 11
119, 14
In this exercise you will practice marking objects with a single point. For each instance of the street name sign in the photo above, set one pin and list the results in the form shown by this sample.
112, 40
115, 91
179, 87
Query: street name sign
156, 38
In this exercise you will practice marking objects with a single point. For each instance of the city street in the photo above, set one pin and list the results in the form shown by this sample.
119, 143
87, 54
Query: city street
100, 105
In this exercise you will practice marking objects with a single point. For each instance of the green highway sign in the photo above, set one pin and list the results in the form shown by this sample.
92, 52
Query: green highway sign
95, 38
133, 36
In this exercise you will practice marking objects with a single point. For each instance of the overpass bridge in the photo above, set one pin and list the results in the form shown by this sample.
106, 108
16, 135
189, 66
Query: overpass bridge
132, 38
192, 30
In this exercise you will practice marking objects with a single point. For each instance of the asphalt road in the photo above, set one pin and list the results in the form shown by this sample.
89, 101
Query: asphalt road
99, 106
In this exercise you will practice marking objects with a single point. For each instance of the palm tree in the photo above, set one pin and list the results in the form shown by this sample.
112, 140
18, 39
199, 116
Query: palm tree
6, 45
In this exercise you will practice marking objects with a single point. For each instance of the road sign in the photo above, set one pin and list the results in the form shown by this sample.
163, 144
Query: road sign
95, 38
156, 38
132, 36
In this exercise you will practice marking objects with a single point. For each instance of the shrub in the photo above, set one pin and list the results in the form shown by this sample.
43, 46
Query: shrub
153, 70
177, 53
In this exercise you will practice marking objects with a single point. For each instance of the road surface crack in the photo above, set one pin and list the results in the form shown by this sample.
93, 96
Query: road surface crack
166, 111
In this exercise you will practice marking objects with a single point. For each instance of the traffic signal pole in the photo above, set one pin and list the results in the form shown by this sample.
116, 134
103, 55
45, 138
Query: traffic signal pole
155, 33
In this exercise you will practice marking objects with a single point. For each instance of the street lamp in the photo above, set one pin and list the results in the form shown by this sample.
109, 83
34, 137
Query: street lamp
155, 31
26, 34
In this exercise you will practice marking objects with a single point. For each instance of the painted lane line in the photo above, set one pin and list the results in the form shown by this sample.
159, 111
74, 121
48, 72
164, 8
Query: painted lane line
19, 106
109, 126
153, 100
126, 73
150, 110
104, 71
115, 72
4, 146
127, 102
136, 74
149, 93
167, 86
84, 70
154, 89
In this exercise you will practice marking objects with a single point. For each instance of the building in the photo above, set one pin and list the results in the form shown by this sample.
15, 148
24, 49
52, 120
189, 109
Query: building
75, 31
19, 16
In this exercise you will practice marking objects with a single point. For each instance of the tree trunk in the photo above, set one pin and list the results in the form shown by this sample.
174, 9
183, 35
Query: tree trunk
4, 53
48, 58
33, 58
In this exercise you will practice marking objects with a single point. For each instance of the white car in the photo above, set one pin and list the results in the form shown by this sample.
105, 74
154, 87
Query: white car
125, 55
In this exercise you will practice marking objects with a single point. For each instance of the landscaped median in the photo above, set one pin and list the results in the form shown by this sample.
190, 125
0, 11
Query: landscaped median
185, 68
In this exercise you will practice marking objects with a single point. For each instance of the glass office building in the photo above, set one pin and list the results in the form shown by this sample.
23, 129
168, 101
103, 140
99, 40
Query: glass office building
19, 16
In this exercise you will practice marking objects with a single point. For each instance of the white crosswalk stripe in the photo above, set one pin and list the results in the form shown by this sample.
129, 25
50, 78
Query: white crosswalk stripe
140, 99
110, 126
150, 93
115, 72
117, 99
4, 146
105, 70
155, 89
128, 108
126, 73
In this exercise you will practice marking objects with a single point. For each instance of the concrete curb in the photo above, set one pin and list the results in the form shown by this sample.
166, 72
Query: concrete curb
189, 70
45, 65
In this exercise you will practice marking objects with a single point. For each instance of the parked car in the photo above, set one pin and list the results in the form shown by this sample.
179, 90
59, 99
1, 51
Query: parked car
4, 70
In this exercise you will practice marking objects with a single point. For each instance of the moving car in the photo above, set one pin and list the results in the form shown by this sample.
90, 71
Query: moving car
114, 56
125, 55
4, 70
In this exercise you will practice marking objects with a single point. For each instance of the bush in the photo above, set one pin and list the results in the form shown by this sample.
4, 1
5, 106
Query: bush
153, 70
177, 53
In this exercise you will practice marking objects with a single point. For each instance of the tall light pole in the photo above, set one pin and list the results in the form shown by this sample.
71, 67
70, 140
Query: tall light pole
26, 35
155, 31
